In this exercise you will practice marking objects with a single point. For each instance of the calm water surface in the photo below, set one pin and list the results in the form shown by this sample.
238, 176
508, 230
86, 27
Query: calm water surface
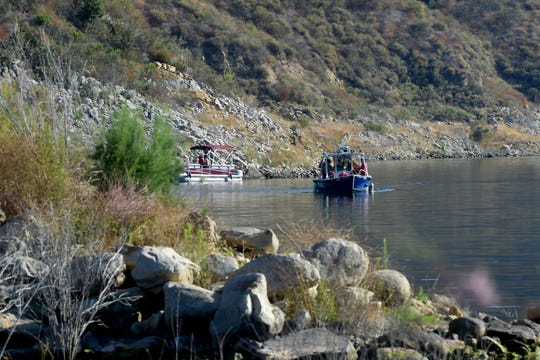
470, 228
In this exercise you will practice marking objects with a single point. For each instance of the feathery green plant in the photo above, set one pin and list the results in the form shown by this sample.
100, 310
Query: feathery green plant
128, 156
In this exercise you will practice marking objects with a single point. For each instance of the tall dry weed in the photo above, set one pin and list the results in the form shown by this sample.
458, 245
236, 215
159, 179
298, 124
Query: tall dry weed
299, 236
71, 286
31, 172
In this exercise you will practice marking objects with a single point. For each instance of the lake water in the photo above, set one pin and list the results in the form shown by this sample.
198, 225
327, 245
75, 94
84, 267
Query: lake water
469, 228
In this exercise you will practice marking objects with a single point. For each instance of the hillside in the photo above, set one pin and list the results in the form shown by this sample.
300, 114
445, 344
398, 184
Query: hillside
405, 79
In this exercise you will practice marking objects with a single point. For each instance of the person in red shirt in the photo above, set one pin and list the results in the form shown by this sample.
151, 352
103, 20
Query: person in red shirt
363, 167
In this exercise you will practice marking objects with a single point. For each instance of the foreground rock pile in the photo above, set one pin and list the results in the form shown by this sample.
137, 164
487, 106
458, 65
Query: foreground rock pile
327, 301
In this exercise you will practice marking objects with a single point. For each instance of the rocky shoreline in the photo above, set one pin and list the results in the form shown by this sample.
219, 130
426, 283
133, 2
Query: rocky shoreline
331, 300
264, 141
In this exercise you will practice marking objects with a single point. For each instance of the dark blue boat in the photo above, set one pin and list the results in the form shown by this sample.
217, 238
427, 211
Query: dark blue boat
344, 171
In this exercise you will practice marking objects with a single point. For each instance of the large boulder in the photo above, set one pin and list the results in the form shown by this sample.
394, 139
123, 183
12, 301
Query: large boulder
22, 269
155, 266
252, 172
390, 286
431, 344
317, 343
245, 311
514, 337
340, 262
18, 333
467, 327
127, 307
186, 301
251, 240
22, 233
220, 266
92, 273
284, 273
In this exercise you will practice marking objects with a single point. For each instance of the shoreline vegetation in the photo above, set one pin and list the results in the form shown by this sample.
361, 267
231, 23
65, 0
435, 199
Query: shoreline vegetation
97, 259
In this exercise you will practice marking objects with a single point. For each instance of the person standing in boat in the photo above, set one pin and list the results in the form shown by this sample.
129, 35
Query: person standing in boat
326, 167
363, 167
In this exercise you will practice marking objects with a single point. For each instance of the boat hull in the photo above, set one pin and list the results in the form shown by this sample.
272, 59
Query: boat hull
345, 184
210, 175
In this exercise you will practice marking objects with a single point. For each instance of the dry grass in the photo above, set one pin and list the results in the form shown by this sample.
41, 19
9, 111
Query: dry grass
299, 236
334, 135
509, 135
140, 218
503, 90
31, 172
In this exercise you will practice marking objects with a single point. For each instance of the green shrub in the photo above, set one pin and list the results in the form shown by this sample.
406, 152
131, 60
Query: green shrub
450, 113
43, 19
377, 127
480, 132
304, 121
127, 155
409, 315
87, 11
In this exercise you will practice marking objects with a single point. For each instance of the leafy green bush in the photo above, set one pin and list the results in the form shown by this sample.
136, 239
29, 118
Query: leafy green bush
377, 127
43, 19
480, 132
127, 155
86, 11
450, 113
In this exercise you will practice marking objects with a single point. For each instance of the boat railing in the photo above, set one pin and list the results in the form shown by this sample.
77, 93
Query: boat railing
207, 169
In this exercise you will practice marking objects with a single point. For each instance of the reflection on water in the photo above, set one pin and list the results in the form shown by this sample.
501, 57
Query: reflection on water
465, 226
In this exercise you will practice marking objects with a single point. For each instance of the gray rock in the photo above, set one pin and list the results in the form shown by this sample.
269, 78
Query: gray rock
513, 337
252, 172
153, 326
140, 348
91, 273
125, 310
340, 262
251, 239
390, 286
429, 343
20, 234
157, 265
11, 244
467, 326
245, 311
17, 333
220, 266
23, 269
284, 273
188, 301
300, 321
318, 343
355, 297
